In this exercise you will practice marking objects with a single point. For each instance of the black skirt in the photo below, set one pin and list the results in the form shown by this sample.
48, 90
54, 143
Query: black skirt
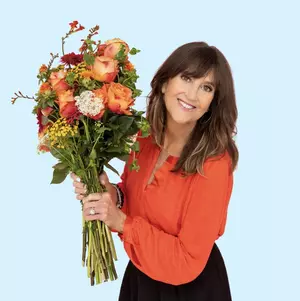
211, 285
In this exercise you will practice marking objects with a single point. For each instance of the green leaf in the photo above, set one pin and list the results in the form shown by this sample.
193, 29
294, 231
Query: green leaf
44, 120
50, 103
139, 113
80, 173
121, 56
112, 168
93, 154
70, 78
124, 158
55, 154
114, 149
134, 51
114, 126
134, 165
137, 93
60, 166
125, 123
59, 175
89, 59
145, 127
135, 146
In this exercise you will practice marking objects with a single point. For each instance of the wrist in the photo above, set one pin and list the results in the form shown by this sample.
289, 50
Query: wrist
123, 217
118, 195
114, 194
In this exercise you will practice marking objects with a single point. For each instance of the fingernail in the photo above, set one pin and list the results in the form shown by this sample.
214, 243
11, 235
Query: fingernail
78, 179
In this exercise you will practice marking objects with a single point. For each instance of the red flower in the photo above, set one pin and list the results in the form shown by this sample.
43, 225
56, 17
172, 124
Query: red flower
100, 49
74, 25
43, 148
42, 127
72, 59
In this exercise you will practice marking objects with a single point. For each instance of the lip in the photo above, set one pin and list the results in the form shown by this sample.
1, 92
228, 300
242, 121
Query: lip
186, 102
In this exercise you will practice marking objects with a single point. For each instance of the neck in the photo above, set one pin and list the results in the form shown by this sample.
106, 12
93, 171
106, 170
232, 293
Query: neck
176, 136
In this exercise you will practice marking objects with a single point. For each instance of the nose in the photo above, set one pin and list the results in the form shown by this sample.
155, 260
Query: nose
192, 91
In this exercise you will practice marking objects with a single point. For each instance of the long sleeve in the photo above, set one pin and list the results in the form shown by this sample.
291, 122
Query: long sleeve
122, 185
180, 259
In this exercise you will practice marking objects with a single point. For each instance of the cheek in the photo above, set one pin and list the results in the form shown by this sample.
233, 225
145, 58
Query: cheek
205, 102
175, 87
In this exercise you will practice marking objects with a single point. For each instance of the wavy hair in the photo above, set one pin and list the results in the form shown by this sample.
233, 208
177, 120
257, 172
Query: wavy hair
213, 134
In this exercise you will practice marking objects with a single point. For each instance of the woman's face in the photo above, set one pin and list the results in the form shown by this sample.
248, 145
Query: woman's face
187, 99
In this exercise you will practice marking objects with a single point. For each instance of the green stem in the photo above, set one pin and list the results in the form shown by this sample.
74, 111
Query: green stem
84, 237
87, 133
111, 242
62, 46
99, 136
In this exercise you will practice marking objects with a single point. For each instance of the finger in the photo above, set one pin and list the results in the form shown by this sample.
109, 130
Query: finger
93, 197
96, 204
75, 177
87, 205
79, 184
106, 196
80, 191
101, 211
103, 178
79, 196
93, 217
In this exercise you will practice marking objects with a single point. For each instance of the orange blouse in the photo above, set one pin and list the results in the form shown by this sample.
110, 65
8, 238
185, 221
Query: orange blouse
172, 223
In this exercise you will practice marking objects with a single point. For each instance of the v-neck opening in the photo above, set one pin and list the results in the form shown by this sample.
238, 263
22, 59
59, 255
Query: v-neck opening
158, 174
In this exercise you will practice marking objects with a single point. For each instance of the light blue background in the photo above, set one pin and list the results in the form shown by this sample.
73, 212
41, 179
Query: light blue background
40, 254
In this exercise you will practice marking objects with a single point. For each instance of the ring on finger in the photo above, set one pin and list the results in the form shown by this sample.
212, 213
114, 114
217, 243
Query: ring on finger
92, 211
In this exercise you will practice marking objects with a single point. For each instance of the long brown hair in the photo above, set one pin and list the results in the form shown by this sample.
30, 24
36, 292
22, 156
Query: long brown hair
214, 132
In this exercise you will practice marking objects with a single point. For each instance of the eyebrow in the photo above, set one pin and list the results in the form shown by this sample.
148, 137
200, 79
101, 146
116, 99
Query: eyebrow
207, 82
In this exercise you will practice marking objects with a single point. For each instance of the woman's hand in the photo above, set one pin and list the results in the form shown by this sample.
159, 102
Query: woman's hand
80, 188
104, 204
100, 206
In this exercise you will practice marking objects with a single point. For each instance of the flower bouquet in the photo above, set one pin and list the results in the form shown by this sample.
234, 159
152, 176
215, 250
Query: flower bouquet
85, 118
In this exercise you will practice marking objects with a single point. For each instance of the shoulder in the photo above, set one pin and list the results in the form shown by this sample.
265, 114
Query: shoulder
220, 164
143, 140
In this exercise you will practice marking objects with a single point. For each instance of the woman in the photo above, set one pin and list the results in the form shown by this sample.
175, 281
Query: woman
175, 206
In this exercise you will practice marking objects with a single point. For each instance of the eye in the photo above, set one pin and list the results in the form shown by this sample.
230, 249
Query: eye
209, 88
186, 78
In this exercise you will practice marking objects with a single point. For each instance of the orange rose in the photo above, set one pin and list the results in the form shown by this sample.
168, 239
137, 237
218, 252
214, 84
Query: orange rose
119, 98
66, 103
101, 93
114, 46
105, 69
57, 81
43, 68
44, 88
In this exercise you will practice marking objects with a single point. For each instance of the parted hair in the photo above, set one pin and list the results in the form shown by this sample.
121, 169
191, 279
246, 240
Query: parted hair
214, 133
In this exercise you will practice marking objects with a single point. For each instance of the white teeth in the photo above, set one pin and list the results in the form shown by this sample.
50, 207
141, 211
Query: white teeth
185, 105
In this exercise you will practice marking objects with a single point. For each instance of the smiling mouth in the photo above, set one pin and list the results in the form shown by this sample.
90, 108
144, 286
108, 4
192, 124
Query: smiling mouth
186, 105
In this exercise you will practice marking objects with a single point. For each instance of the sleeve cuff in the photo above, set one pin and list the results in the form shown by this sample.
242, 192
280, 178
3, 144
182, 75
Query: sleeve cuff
127, 235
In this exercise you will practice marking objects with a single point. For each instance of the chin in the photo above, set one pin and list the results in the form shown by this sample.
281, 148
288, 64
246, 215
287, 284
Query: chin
183, 121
